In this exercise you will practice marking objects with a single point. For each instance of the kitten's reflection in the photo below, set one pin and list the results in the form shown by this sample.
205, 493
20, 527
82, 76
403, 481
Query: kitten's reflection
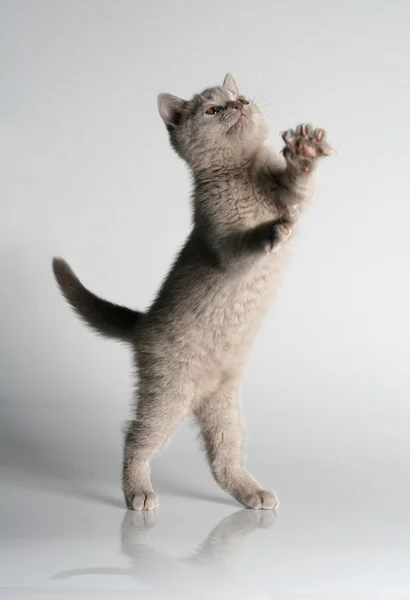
210, 563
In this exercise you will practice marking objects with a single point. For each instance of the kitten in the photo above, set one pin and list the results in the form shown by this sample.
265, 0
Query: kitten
191, 344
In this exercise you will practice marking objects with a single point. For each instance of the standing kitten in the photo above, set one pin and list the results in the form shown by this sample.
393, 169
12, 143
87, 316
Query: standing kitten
191, 344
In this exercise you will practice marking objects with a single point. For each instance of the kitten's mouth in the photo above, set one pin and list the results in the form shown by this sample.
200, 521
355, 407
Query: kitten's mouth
239, 120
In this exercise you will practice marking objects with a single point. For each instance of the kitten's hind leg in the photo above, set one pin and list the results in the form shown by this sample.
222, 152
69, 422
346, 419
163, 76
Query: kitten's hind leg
159, 410
221, 427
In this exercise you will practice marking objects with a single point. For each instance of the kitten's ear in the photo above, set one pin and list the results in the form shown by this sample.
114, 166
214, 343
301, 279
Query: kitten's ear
230, 84
171, 109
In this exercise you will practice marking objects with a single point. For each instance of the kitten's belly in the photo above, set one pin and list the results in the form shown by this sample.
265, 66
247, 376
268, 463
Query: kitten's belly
216, 335
237, 311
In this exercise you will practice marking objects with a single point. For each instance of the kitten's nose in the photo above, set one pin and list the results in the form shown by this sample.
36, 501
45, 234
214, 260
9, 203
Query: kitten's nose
238, 106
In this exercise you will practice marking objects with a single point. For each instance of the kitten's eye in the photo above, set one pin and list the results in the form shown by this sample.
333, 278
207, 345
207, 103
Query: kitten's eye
243, 100
212, 110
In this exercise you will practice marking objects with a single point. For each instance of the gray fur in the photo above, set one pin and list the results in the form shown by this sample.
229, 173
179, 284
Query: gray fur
191, 344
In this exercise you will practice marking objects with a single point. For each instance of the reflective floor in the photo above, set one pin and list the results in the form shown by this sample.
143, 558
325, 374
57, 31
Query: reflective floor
65, 533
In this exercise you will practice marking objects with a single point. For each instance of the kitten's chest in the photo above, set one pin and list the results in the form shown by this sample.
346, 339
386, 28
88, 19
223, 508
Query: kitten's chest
245, 205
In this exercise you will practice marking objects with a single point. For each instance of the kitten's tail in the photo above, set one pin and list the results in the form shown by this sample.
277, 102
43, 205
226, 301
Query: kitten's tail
104, 317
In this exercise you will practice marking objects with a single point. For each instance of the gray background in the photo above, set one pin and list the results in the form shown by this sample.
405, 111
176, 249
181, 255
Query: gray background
87, 173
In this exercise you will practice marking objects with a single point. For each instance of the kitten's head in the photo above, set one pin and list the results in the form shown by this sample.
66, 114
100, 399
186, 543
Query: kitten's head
218, 127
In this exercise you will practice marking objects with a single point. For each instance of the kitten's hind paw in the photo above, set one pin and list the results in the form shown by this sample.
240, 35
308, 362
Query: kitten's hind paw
261, 499
144, 501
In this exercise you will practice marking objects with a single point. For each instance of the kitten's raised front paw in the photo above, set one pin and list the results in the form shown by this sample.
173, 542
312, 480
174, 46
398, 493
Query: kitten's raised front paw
260, 499
143, 501
304, 145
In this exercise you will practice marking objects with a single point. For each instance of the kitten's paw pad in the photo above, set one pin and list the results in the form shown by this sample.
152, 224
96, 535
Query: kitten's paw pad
261, 499
284, 232
307, 144
280, 232
145, 501
319, 134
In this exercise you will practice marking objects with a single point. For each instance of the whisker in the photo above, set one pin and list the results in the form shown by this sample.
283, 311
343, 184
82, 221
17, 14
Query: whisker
271, 103
253, 98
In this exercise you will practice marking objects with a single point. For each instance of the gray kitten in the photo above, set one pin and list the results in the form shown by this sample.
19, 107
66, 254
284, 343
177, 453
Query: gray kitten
191, 344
